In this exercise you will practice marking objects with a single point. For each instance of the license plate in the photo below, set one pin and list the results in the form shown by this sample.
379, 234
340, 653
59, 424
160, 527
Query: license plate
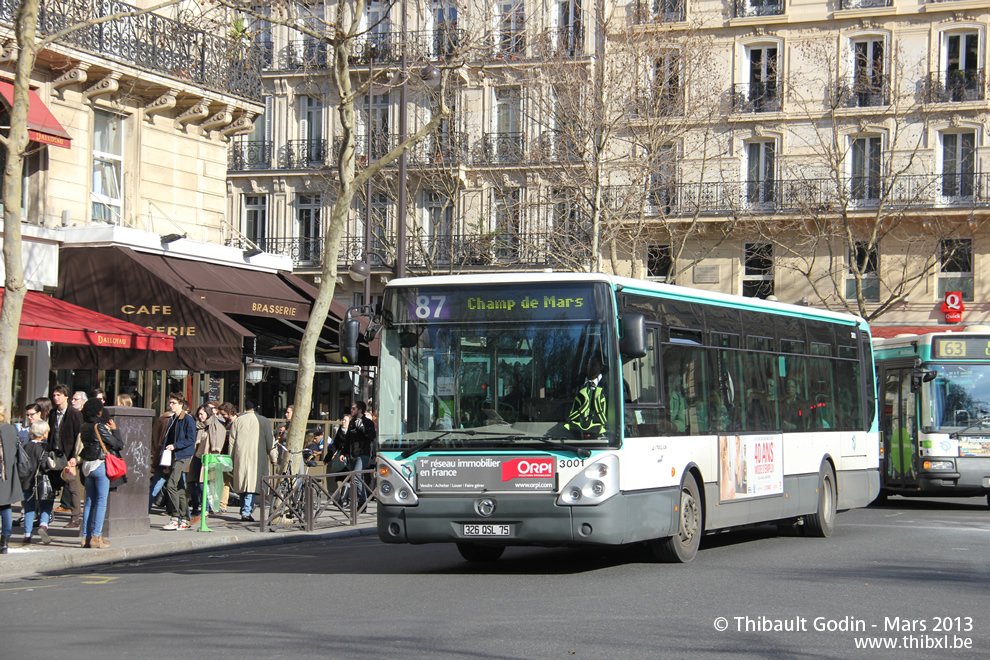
487, 530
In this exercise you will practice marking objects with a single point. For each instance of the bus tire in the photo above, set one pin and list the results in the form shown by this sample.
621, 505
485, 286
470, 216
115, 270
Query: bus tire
683, 547
480, 553
822, 522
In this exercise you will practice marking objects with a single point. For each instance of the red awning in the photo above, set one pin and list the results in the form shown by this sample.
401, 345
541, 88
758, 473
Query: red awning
47, 319
888, 331
42, 125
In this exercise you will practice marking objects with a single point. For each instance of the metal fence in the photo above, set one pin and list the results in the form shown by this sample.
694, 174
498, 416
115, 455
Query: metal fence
308, 502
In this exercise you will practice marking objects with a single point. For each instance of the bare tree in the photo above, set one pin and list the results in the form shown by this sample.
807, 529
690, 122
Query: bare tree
862, 183
346, 36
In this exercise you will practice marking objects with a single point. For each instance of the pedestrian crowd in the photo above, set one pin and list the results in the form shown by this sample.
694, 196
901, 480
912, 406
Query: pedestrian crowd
56, 462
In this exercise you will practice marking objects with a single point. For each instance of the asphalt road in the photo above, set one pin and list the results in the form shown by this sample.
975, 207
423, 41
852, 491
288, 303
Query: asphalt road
913, 572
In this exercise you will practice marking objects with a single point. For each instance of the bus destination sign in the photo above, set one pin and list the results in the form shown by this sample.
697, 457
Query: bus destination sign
955, 347
577, 302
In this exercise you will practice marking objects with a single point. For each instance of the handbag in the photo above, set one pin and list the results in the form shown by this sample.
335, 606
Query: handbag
69, 474
53, 460
116, 467
43, 488
338, 464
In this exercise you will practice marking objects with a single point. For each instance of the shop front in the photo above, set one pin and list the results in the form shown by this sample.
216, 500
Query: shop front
236, 330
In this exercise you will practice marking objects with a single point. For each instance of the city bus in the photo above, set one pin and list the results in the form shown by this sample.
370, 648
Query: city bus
935, 423
713, 411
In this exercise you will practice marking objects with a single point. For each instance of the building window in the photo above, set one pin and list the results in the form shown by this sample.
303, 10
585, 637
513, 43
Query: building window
759, 8
869, 83
956, 267
866, 260
439, 225
962, 73
763, 94
667, 83
866, 168
760, 157
758, 270
256, 219
310, 150
505, 144
308, 226
663, 181
511, 22
958, 164
659, 263
108, 165
508, 224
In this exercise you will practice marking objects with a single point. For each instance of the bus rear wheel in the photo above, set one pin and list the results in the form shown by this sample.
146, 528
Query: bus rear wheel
480, 553
822, 522
683, 547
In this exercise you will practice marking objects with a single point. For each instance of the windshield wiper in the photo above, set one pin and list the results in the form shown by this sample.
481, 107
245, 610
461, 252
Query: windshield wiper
580, 451
429, 443
983, 421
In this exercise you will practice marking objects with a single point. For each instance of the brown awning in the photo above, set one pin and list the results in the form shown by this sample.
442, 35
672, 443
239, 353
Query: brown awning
189, 300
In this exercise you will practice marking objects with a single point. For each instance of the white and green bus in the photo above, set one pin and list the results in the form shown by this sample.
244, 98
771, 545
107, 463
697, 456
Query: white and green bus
935, 422
715, 411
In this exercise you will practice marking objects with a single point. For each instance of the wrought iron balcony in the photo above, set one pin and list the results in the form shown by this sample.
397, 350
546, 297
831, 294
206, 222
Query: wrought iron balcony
956, 86
382, 47
302, 251
305, 54
443, 148
660, 11
438, 44
561, 42
303, 155
823, 195
756, 97
864, 91
865, 4
504, 148
508, 44
746, 8
381, 144
152, 42
249, 155
561, 146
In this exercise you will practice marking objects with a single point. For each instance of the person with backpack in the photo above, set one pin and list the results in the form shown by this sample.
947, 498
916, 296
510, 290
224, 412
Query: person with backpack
356, 438
39, 495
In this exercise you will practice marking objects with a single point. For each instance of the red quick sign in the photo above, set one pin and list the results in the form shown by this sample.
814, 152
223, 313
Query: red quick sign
527, 468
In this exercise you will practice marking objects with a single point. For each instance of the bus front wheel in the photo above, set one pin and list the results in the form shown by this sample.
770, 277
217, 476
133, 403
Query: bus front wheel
822, 522
480, 553
683, 547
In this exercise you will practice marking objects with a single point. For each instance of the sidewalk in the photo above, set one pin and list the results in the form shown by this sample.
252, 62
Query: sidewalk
64, 552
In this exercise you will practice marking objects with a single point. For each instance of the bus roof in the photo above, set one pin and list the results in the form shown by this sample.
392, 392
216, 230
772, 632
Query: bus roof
643, 286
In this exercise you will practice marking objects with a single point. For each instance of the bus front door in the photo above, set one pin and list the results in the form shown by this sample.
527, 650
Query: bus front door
900, 429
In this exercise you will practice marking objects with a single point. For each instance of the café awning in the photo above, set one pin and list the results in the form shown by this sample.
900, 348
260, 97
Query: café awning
41, 123
46, 319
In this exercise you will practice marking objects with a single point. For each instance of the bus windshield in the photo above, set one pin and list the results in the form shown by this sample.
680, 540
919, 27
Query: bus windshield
472, 377
959, 397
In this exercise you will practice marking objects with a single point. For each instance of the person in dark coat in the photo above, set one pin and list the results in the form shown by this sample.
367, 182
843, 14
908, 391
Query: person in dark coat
33, 507
96, 434
65, 422
180, 439
10, 484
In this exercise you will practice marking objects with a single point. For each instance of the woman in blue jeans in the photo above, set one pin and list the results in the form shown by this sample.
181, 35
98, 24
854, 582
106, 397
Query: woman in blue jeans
98, 435
34, 449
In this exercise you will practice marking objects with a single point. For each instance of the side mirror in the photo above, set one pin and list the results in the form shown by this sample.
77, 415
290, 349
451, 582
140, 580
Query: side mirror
919, 376
633, 341
350, 334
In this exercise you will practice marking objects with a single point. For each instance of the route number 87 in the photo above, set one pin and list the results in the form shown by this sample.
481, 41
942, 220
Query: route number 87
427, 307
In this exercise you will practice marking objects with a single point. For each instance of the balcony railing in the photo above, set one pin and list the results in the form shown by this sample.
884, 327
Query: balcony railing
305, 54
560, 42
249, 155
865, 4
802, 195
561, 146
303, 155
443, 148
956, 86
746, 8
152, 42
508, 44
659, 11
504, 148
384, 47
438, 44
864, 91
756, 97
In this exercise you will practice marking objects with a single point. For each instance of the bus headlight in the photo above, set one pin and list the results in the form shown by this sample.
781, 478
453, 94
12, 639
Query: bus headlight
938, 465
593, 485
393, 488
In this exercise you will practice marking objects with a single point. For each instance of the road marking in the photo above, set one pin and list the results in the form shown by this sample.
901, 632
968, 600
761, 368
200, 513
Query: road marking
39, 586
97, 579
